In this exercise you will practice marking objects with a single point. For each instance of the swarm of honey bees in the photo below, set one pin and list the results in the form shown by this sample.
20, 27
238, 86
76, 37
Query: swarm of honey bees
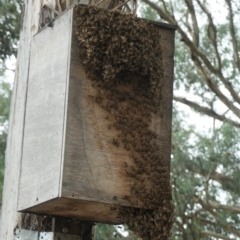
122, 55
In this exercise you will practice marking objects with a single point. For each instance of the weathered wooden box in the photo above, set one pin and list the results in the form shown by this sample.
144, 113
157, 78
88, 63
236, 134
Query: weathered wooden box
69, 165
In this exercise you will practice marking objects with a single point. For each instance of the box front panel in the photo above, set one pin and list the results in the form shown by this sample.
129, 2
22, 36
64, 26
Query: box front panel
45, 114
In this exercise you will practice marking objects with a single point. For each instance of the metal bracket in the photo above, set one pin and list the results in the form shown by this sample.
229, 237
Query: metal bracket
22, 234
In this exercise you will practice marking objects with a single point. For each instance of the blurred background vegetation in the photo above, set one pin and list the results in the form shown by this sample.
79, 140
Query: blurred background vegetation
205, 168
9, 34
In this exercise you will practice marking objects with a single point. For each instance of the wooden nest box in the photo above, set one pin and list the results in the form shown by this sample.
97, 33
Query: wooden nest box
71, 166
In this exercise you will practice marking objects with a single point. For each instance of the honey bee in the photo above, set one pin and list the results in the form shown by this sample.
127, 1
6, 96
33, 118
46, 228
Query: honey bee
115, 142
113, 208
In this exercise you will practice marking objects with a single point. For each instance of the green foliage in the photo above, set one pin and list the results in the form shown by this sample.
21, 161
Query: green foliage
197, 157
148, 13
5, 94
113, 232
104, 231
10, 21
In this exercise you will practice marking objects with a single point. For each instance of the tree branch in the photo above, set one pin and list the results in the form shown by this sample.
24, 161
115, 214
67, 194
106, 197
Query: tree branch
226, 182
197, 53
225, 225
165, 7
183, 230
216, 235
191, 9
233, 35
214, 86
214, 224
214, 43
185, 38
207, 111
213, 38
216, 205
206, 222
171, 6
187, 24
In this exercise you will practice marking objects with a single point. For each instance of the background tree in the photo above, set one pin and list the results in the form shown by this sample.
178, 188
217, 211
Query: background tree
9, 34
5, 93
10, 21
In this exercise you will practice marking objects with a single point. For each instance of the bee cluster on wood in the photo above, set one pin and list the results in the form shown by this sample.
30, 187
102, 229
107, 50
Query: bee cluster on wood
122, 55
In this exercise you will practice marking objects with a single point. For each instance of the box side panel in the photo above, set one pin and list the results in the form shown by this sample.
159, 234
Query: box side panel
45, 113
94, 169
165, 130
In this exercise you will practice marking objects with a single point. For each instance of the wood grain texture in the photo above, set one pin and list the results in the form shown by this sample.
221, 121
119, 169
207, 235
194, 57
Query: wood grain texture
72, 208
93, 167
16, 123
68, 148
167, 42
